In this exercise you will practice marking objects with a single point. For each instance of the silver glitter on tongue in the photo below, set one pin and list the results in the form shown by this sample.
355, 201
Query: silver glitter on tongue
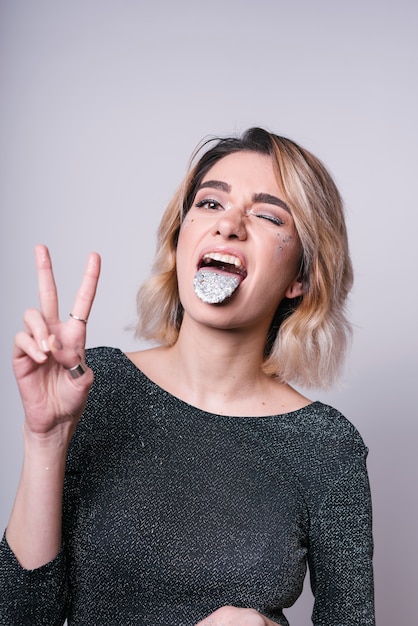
212, 287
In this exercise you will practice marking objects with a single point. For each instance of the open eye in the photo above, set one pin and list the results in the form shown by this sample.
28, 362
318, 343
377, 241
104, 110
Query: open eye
209, 203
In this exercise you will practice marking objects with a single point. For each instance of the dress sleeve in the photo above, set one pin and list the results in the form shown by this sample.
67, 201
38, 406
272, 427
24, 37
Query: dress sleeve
29, 597
341, 550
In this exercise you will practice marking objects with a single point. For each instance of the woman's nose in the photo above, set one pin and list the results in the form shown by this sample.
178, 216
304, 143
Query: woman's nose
231, 224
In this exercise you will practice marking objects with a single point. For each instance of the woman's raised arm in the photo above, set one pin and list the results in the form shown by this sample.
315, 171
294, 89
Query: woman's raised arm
48, 362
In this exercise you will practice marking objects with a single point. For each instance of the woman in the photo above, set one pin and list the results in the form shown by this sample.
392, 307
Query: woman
198, 483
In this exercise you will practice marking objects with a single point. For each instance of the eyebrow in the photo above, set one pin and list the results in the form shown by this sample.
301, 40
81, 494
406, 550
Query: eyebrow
265, 198
216, 184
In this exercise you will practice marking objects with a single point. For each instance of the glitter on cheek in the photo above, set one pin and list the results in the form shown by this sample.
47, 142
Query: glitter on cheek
283, 248
285, 241
282, 240
187, 221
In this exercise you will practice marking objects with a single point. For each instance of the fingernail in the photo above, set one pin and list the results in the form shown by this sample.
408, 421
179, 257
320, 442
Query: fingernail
45, 345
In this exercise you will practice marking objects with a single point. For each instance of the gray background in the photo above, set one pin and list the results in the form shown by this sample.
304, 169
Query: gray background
101, 105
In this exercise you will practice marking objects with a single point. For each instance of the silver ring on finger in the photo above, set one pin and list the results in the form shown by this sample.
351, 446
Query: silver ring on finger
77, 371
79, 319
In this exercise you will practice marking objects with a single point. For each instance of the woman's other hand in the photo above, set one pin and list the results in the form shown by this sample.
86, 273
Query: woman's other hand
234, 616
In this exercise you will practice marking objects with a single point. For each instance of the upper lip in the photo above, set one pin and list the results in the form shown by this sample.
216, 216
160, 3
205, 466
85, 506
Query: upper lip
224, 256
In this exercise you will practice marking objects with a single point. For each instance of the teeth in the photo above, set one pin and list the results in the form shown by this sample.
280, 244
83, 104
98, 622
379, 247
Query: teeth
214, 288
223, 258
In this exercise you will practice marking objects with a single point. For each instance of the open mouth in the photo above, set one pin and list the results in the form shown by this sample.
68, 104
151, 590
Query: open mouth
218, 277
227, 263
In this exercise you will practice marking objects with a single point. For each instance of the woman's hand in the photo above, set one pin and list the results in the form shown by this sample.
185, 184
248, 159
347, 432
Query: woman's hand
47, 348
233, 616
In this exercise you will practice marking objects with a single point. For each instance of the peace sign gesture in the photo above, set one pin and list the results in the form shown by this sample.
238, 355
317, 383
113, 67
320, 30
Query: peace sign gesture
48, 355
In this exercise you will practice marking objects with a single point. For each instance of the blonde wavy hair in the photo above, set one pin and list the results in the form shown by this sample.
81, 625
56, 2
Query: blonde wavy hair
308, 336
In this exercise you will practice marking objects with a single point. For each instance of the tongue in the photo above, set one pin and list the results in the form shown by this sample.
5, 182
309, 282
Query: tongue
212, 287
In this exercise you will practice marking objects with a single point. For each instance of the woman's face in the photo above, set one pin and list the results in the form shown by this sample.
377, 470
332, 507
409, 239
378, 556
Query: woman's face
240, 224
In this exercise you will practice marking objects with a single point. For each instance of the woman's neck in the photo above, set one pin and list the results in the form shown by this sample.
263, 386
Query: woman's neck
222, 360
219, 371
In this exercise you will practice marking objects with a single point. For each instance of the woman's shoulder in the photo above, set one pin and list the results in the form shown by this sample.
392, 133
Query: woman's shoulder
116, 395
321, 446
104, 357
116, 383
111, 367
323, 429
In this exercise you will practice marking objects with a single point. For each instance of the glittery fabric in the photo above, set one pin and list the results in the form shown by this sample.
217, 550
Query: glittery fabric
171, 512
